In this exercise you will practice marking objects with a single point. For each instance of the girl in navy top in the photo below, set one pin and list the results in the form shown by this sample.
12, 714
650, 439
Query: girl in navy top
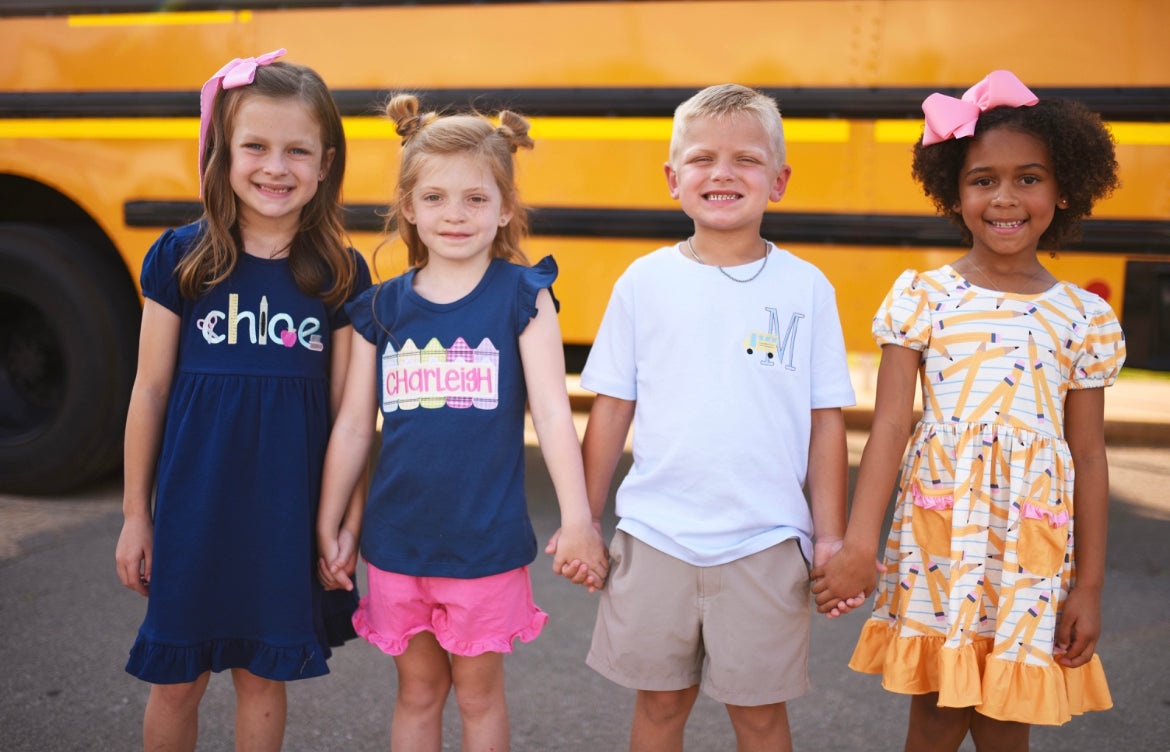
450, 352
244, 347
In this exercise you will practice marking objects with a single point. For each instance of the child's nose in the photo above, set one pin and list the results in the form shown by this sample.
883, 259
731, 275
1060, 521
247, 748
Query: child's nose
1005, 195
275, 164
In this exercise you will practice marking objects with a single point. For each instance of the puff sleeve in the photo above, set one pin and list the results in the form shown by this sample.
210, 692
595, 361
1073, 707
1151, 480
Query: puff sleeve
158, 279
903, 318
1101, 353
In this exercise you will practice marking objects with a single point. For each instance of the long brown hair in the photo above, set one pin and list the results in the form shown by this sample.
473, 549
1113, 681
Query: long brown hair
428, 135
319, 254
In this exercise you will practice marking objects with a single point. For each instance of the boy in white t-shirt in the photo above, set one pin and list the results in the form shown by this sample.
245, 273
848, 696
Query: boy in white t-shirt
726, 354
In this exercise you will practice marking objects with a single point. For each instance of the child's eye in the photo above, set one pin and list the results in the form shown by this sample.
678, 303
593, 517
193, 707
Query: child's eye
1030, 180
252, 147
430, 197
478, 199
983, 182
298, 151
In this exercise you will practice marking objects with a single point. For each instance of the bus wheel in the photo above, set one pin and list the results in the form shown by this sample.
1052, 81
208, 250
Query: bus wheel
68, 346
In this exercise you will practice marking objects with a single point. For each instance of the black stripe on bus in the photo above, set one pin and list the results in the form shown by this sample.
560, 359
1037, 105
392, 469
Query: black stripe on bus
1126, 236
84, 7
1133, 104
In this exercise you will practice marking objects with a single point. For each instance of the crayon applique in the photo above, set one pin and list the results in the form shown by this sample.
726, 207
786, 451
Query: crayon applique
460, 352
408, 362
433, 352
389, 379
488, 357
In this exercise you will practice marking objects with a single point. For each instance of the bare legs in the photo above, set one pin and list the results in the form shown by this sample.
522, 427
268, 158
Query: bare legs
935, 729
171, 723
426, 673
660, 719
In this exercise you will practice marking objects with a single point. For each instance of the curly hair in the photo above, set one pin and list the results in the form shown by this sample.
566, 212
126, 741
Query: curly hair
1080, 146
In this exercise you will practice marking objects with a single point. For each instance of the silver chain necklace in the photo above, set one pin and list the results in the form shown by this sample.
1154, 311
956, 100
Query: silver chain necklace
999, 287
767, 253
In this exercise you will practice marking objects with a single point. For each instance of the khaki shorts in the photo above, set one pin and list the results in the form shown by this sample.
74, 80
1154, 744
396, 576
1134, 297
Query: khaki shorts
740, 629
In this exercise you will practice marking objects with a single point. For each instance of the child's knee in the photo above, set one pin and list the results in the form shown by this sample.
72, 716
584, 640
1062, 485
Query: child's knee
759, 721
664, 707
422, 694
179, 696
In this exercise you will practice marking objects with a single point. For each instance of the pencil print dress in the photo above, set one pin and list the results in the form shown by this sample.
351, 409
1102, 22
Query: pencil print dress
980, 554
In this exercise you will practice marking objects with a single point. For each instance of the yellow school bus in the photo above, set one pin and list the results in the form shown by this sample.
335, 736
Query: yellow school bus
99, 119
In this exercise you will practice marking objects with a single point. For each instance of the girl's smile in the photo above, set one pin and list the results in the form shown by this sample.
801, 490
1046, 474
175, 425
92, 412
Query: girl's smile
277, 161
1008, 193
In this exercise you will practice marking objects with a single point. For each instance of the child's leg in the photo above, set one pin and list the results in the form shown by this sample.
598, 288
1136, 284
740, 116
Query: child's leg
991, 735
660, 717
761, 728
935, 729
479, 690
261, 710
172, 715
424, 680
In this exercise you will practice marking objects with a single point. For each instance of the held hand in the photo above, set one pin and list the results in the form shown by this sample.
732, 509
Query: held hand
1079, 627
842, 577
134, 553
590, 564
345, 564
330, 563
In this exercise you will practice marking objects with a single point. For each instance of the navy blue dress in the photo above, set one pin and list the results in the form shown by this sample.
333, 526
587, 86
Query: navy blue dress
239, 473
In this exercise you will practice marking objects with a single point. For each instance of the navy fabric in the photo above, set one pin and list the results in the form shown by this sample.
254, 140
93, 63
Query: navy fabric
239, 473
447, 496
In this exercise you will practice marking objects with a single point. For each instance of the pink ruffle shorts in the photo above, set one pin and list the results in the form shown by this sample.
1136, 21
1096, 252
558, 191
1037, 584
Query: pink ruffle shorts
467, 617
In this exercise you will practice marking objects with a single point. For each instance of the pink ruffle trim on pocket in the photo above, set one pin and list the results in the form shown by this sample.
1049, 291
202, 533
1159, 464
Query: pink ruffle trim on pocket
940, 503
1033, 512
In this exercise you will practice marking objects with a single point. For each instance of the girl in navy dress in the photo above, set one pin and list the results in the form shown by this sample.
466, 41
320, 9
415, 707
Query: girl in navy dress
450, 352
242, 358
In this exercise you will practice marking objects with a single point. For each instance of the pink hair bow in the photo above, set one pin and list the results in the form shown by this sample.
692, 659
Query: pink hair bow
947, 117
239, 72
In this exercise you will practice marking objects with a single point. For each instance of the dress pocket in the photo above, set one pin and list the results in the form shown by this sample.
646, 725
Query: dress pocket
1043, 538
931, 522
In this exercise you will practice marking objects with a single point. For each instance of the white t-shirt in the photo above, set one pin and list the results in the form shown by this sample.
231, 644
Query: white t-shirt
725, 376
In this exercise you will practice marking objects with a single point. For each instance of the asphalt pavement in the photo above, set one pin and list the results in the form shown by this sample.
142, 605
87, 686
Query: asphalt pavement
68, 625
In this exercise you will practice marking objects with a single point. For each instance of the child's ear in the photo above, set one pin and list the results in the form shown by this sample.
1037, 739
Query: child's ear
781, 184
671, 180
326, 163
1062, 202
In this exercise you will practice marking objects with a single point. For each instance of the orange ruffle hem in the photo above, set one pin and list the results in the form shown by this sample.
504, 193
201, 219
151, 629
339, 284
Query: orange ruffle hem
966, 677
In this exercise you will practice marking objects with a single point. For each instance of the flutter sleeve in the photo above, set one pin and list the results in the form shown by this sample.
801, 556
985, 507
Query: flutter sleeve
1101, 354
533, 279
158, 279
903, 318
360, 312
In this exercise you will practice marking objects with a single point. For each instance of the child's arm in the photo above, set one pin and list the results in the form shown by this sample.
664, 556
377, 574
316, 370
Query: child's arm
351, 525
345, 463
542, 353
828, 475
1080, 620
852, 570
157, 352
605, 440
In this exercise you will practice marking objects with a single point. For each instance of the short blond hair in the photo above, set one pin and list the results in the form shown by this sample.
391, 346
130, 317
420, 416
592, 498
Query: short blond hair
725, 101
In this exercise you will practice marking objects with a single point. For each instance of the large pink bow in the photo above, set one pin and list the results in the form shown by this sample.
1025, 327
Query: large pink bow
947, 117
239, 72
